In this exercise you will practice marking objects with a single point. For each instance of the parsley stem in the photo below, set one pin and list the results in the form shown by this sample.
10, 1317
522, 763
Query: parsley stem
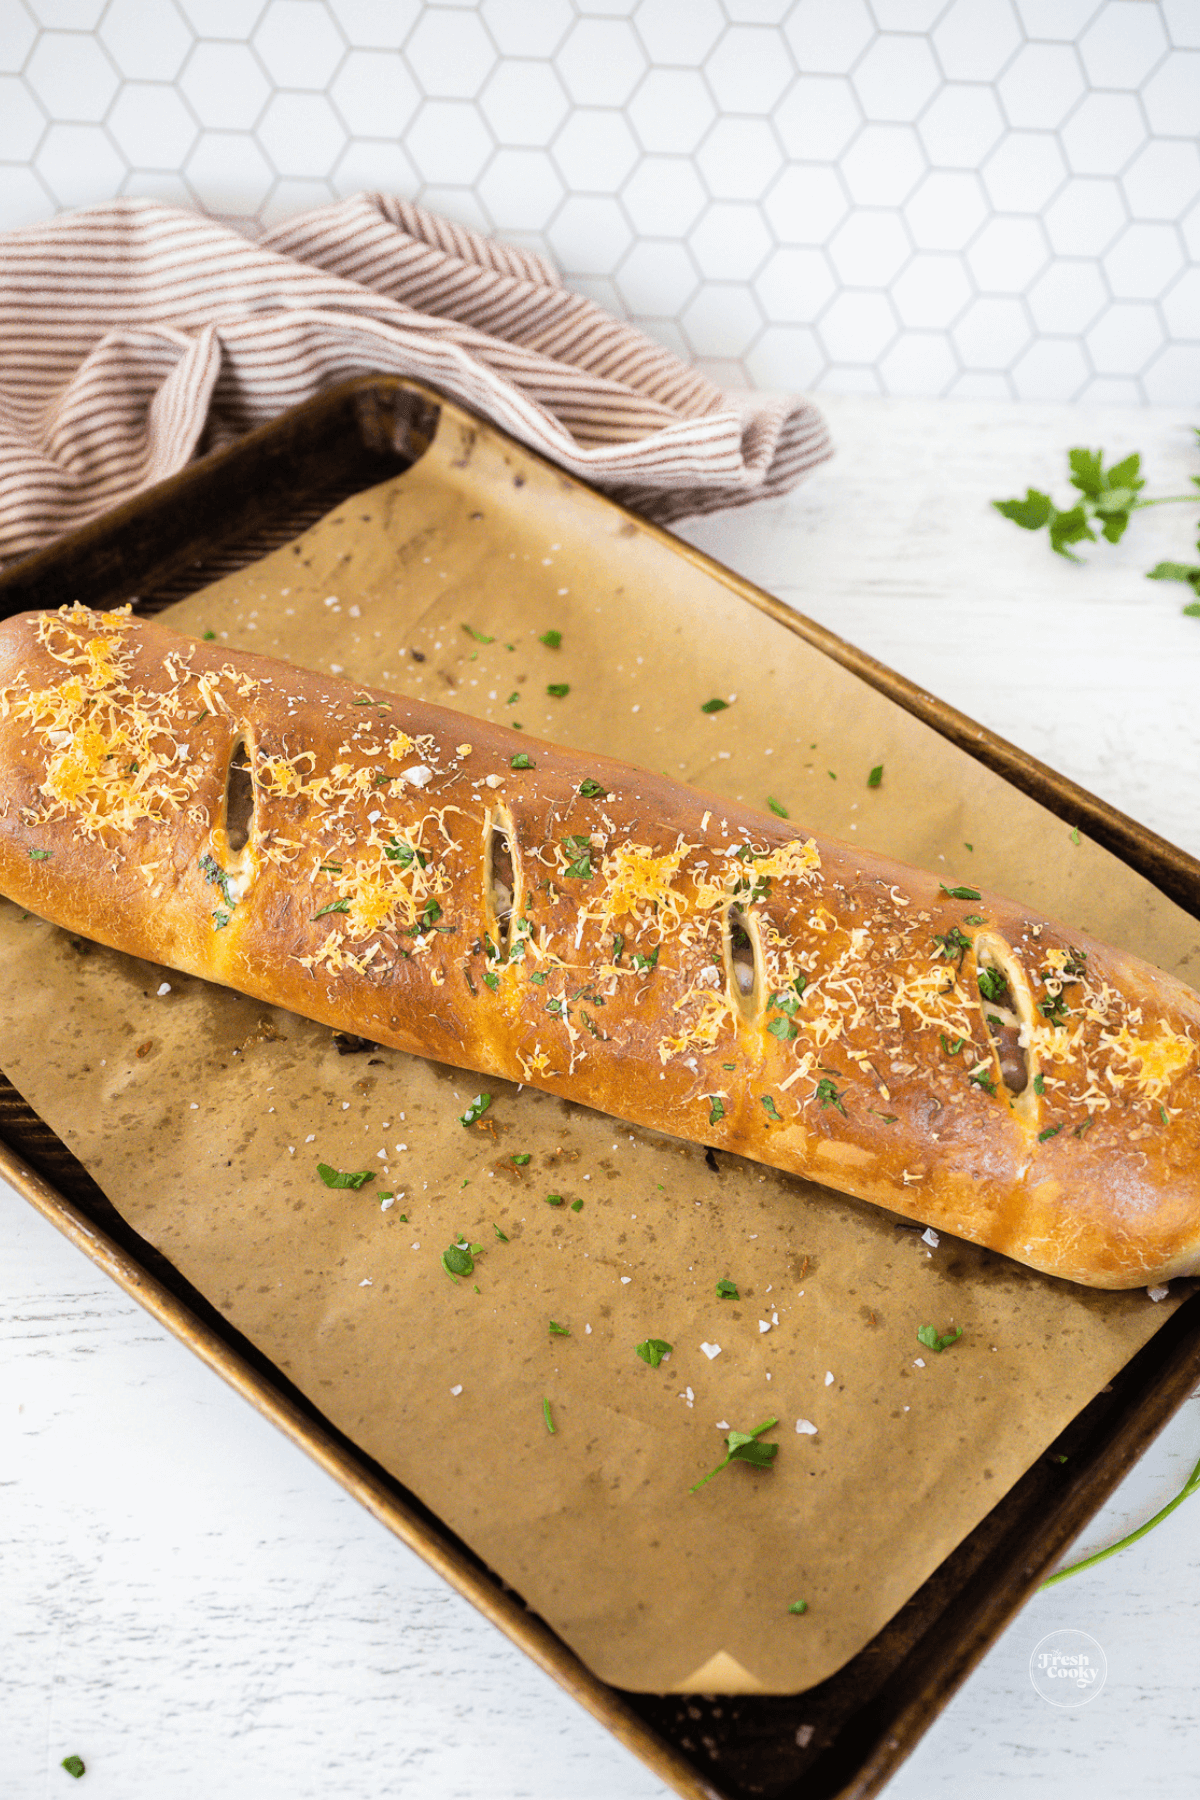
1190, 1486
1162, 500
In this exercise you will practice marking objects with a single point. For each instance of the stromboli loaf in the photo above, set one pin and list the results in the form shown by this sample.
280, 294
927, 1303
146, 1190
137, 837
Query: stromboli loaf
605, 934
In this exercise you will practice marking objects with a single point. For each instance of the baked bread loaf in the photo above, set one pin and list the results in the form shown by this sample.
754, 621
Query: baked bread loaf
463, 892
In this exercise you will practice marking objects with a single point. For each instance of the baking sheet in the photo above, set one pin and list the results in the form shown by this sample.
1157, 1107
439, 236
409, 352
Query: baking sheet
203, 1117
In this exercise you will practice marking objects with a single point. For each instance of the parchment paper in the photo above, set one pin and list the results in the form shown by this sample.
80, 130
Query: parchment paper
203, 1116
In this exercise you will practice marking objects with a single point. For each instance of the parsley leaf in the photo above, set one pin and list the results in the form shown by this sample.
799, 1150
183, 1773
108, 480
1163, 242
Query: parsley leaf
935, 1340
727, 1290
715, 706
591, 790
521, 1159
551, 639
783, 1029
828, 1095
771, 1109
478, 635
717, 1112
342, 906
653, 1351
546, 1415
74, 1765
459, 1258
777, 807
476, 1110
744, 1446
554, 1199
558, 690
557, 1330
40, 855
798, 1606
339, 1178
876, 776
960, 893
521, 761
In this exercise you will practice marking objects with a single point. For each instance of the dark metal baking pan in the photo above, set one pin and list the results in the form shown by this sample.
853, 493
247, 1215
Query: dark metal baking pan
845, 1737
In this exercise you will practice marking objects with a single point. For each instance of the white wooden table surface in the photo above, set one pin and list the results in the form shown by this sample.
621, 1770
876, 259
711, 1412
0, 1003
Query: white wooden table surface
194, 1609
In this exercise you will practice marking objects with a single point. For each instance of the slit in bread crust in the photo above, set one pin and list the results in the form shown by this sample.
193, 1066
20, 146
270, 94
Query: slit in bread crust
502, 882
743, 961
1011, 1035
239, 798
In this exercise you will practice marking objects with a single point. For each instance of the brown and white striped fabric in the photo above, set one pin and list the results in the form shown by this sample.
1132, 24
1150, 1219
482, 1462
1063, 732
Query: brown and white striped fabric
132, 334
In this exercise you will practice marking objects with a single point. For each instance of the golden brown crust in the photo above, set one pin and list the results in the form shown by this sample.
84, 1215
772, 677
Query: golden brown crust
672, 959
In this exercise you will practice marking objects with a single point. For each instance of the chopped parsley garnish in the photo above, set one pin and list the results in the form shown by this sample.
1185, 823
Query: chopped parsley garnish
1039, 1084
951, 1049
521, 1158
777, 807
538, 977
828, 1095
591, 790
554, 1199
960, 893
221, 919
798, 1606
476, 1110
557, 1330
653, 1351
744, 1446
1050, 1131
341, 1178
1086, 1126
577, 1206
342, 906
715, 706
783, 1029
432, 913
993, 983
477, 635
551, 639
717, 1110
618, 945
40, 855
404, 854
974, 919
215, 874
727, 1290
521, 761
74, 1765
490, 980
647, 962
459, 1258
953, 944
771, 1109
546, 1416
209, 636
558, 690
876, 776
935, 1340
581, 868
1054, 1008
502, 1235
984, 1081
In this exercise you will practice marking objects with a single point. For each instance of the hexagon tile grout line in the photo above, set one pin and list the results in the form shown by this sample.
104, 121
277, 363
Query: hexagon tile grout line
988, 196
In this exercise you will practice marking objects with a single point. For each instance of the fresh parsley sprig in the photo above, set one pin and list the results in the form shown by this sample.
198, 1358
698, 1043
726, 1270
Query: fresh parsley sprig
1107, 498
1190, 1487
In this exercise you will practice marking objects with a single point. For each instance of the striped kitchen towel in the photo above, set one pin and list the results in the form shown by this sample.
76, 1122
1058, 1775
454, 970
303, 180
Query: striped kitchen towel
134, 335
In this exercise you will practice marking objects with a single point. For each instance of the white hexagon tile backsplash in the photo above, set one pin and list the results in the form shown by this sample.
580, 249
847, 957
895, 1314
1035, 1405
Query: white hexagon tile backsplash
977, 197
